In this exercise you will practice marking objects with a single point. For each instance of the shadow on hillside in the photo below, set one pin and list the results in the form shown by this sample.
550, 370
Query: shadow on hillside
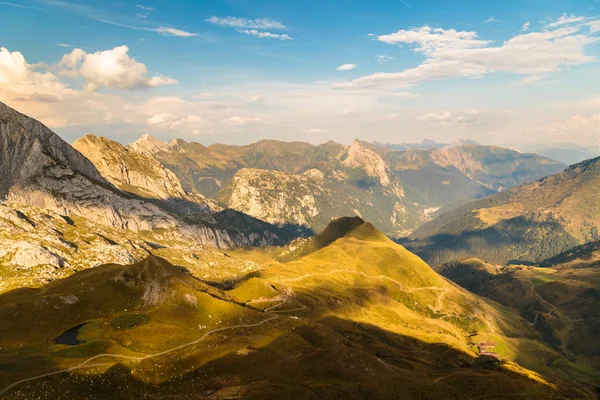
516, 240
235, 222
331, 358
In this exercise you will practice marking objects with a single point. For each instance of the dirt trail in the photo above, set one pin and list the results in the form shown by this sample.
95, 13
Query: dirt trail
85, 364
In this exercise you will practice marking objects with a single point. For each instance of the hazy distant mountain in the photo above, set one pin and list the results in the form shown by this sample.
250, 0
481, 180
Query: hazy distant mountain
529, 223
568, 156
396, 189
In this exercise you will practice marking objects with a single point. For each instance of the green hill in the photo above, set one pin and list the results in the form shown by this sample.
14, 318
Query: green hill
529, 223
359, 317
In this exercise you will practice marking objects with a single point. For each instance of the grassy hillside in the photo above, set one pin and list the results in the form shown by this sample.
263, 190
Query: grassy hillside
562, 303
359, 317
529, 223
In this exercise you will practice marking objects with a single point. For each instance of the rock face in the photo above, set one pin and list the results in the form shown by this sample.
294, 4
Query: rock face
44, 171
29, 255
276, 197
358, 156
495, 167
139, 173
27, 148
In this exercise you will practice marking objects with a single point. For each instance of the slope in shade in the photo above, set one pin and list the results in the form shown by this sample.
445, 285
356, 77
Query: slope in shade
529, 223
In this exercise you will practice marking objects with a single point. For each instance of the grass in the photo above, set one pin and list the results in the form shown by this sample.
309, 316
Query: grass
129, 321
359, 315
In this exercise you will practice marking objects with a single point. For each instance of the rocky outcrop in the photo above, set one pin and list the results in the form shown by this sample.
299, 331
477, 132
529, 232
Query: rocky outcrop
275, 197
148, 145
139, 173
28, 255
28, 148
358, 156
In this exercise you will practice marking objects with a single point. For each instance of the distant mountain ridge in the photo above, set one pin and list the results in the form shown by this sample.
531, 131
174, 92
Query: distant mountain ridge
396, 189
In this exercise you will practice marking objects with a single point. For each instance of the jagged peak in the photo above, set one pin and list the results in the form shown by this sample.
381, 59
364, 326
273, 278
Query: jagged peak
28, 146
357, 155
148, 145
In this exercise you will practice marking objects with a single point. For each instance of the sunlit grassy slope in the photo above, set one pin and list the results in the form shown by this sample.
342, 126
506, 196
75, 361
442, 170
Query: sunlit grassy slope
355, 316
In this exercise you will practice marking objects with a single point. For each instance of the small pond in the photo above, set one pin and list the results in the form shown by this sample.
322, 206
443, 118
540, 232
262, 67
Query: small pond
69, 337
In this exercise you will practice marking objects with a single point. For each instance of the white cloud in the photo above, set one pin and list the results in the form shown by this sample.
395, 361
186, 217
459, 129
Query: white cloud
346, 67
428, 39
110, 68
145, 8
402, 94
265, 35
594, 26
259, 98
435, 116
383, 59
20, 80
525, 26
237, 22
490, 20
173, 32
165, 31
565, 20
239, 121
315, 130
448, 118
169, 121
462, 54
64, 45
143, 15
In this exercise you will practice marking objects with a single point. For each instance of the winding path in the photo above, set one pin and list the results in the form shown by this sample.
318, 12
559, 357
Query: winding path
86, 363
133, 358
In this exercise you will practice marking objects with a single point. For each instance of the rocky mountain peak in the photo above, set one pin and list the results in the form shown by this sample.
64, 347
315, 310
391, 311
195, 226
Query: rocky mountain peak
27, 148
357, 155
148, 145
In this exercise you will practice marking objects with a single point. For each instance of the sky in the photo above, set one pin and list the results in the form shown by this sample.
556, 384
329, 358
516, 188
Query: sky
514, 73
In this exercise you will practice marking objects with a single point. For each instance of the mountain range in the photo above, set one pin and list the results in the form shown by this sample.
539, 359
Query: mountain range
175, 270
302, 187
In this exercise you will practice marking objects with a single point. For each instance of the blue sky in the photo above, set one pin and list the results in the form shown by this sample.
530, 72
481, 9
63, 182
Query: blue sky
515, 73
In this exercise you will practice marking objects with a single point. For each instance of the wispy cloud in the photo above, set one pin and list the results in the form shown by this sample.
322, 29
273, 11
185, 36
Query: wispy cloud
405, 3
145, 8
64, 45
15, 5
383, 59
173, 32
565, 20
265, 35
490, 20
525, 26
346, 67
166, 31
237, 22
315, 130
